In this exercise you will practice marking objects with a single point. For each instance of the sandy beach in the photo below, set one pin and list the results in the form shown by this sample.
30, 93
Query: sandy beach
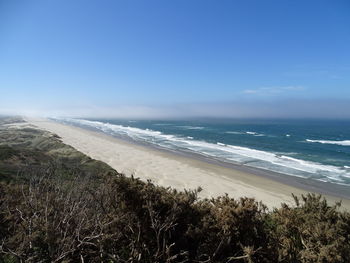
173, 170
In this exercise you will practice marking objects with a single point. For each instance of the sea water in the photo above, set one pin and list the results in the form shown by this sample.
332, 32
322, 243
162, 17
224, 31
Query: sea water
315, 149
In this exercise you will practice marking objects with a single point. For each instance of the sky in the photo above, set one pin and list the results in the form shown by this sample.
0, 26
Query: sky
176, 58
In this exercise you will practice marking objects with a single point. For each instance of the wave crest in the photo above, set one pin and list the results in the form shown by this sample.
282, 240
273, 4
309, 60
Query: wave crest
342, 143
229, 153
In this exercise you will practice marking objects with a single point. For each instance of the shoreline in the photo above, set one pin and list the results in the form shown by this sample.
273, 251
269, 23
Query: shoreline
308, 185
171, 169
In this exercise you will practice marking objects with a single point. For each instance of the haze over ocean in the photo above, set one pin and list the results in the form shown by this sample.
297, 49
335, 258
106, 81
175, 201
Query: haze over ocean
175, 59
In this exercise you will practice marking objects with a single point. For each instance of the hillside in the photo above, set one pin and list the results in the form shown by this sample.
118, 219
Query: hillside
59, 205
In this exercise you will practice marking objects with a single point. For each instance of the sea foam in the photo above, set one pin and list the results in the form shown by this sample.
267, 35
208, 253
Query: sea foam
343, 143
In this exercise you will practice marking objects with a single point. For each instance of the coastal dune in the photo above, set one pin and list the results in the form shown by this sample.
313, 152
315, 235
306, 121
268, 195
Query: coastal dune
173, 170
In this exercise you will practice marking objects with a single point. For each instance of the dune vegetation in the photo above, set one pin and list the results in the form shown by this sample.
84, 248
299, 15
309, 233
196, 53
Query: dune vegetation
59, 205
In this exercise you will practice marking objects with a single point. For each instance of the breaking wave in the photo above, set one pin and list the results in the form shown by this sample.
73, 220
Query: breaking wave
229, 153
343, 143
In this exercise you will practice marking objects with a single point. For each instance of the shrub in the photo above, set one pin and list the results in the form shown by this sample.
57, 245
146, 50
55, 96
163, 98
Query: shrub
118, 219
312, 231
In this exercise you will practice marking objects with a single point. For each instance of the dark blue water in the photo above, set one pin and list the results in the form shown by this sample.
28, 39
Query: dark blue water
317, 149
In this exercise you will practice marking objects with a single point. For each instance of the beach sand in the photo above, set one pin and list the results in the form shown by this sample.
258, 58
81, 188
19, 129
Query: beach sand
174, 170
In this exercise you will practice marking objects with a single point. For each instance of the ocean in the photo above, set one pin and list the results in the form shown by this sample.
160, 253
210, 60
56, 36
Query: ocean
313, 149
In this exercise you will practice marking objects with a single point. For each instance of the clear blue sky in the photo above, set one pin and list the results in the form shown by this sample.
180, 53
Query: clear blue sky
195, 57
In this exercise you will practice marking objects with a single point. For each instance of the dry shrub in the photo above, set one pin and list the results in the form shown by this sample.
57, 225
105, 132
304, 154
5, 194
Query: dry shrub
120, 219
312, 231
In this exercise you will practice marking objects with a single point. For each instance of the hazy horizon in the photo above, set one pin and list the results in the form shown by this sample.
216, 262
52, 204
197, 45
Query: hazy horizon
179, 59
283, 110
